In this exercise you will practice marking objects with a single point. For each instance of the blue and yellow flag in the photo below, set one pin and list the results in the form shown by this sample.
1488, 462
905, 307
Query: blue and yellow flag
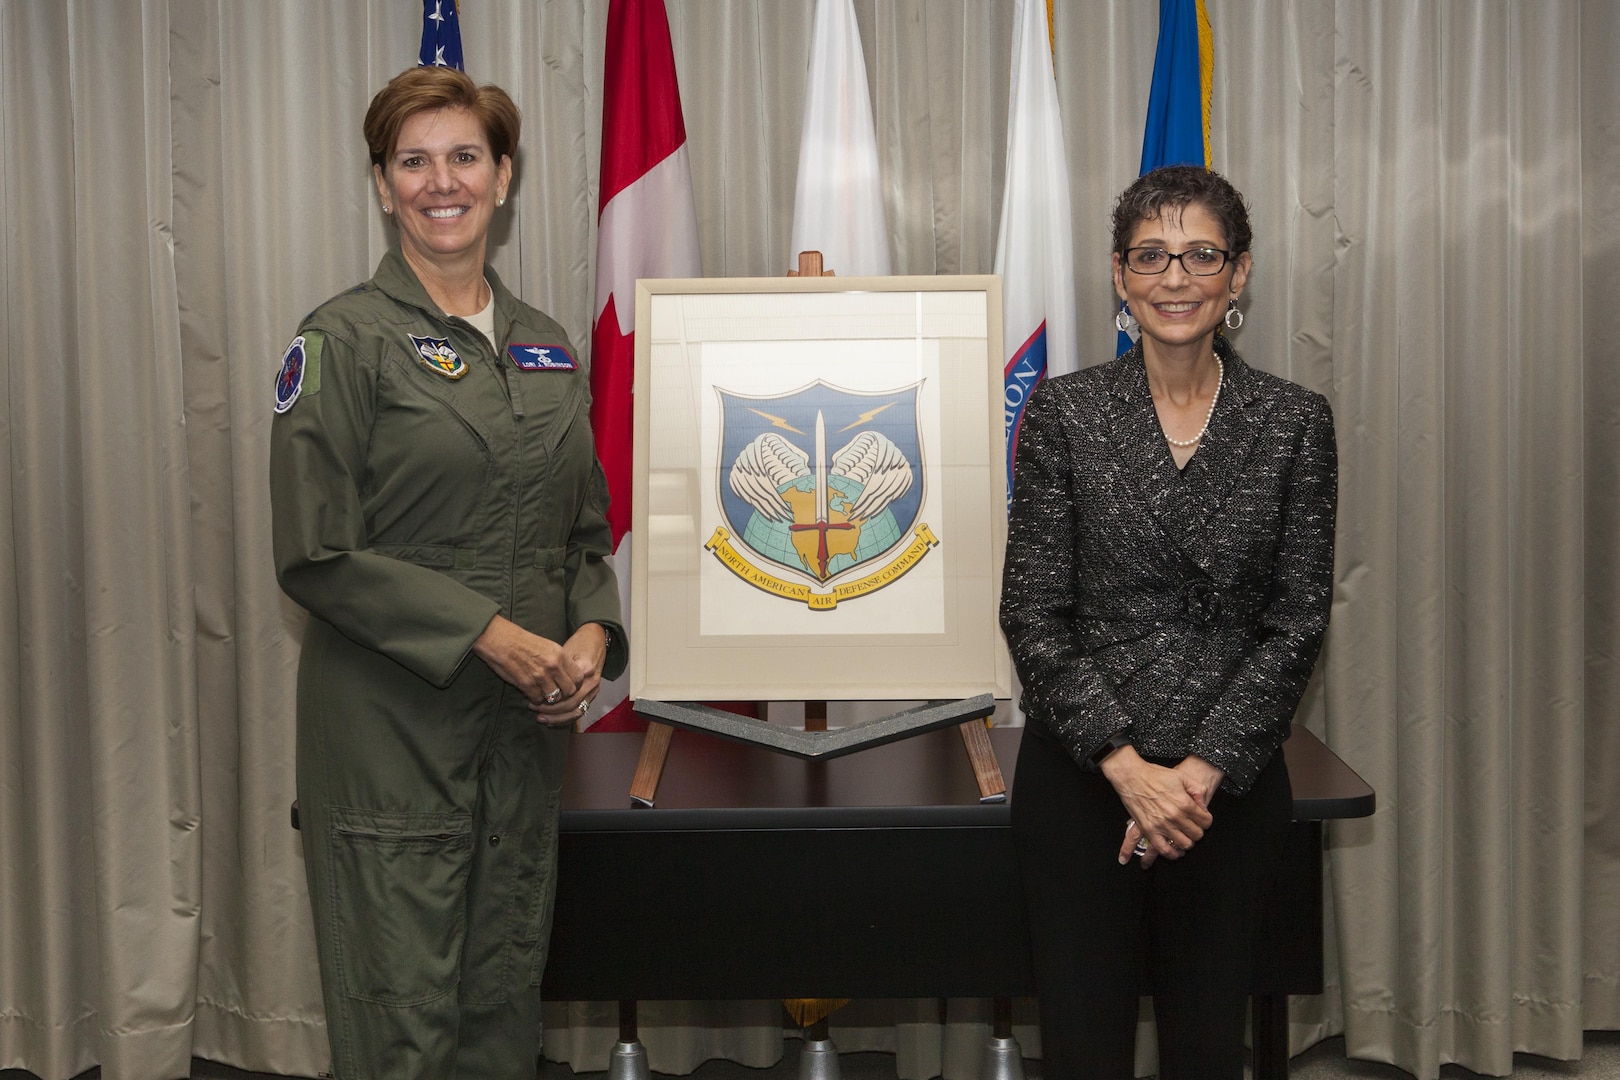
1177, 129
441, 34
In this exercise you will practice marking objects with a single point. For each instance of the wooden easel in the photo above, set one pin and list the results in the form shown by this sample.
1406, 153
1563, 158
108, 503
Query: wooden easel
650, 765
655, 745
810, 266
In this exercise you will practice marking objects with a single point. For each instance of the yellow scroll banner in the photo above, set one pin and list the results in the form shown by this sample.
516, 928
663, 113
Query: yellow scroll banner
720, 543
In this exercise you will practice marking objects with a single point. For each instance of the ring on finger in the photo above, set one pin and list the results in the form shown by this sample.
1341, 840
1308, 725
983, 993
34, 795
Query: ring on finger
556, 693
1141, 847
584, 706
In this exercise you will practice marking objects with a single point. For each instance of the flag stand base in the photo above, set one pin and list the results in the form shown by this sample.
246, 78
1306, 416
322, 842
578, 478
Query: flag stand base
1003, 1059
628, 1060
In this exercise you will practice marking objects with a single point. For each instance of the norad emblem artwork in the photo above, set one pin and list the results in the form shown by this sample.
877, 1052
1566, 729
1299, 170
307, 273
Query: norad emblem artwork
820, 491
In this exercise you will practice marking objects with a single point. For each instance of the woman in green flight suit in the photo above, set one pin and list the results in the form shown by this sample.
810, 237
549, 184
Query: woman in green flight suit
439, 511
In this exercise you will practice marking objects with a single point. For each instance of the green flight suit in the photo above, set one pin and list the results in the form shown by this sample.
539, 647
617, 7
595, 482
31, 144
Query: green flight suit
409, 508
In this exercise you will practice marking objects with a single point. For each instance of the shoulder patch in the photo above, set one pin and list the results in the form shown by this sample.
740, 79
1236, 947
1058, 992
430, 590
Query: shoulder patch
300, 372
541, 358
438, 357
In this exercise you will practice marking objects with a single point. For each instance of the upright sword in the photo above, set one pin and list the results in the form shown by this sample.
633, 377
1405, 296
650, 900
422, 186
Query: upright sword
821, 469
823, 520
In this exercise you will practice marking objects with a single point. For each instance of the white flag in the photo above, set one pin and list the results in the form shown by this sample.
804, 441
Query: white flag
838, 207
1034, 248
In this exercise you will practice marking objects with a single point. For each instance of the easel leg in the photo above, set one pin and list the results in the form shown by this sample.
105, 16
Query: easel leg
986, 769
650, 766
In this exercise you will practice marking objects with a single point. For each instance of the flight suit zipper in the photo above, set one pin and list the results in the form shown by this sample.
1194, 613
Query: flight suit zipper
513, 395
514, 402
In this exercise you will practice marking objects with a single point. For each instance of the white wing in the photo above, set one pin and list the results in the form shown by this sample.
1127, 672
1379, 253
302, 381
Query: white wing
874, 462
763, 467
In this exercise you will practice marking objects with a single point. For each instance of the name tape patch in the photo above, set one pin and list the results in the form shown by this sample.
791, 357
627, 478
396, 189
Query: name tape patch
541, 358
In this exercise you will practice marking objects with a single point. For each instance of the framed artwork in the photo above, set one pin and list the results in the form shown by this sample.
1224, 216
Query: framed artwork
820, 489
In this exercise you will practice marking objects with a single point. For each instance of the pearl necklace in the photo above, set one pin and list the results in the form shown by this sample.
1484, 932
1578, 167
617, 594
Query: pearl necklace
1220, 377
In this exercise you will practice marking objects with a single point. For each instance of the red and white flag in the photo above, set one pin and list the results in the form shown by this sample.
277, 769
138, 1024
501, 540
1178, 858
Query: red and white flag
647, 228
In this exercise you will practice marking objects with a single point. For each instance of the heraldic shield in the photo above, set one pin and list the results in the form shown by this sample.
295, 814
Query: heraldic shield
822, 484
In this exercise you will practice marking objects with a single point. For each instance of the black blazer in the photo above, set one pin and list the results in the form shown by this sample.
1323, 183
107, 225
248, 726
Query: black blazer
1182, 608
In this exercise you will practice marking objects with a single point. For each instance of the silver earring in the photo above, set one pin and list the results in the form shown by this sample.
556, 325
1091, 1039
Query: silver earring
1125, 322
387, 209
1234, 317
501, 201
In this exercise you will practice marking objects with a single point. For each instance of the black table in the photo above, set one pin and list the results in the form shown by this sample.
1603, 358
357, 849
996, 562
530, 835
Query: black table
875, 875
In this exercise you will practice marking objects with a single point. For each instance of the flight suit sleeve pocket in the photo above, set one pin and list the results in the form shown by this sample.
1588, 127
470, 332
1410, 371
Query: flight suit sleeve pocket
399, 890
438, 556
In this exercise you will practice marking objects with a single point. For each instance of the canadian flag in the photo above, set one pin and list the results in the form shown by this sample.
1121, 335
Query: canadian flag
647, 228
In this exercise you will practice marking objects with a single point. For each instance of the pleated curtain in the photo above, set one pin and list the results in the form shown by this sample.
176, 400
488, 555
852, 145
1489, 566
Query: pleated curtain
1436, 199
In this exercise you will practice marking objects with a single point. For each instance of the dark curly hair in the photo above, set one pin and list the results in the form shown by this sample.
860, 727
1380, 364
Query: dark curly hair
1174, 188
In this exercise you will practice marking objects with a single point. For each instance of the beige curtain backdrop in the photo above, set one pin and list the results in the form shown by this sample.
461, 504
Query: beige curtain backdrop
1436, 188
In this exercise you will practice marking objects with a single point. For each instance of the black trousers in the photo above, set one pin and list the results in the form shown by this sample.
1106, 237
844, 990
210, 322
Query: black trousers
1101, 934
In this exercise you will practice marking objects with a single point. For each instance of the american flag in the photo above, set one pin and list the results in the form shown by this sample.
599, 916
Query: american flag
441, 35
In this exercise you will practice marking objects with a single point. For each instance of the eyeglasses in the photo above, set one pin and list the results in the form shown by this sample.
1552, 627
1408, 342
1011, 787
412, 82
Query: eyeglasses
1199, 262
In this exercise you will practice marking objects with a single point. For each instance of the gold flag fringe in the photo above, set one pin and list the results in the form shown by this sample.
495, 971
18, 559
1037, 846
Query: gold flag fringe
806, 1011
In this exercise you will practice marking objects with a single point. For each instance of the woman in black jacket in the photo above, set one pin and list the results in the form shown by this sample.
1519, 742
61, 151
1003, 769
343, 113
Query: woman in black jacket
1168, 581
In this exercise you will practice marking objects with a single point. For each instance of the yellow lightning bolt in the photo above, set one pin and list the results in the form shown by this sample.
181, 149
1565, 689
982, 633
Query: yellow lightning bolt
777, 421
864, 417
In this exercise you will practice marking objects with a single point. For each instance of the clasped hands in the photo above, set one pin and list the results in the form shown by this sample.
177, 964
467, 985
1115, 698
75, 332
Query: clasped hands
1169, 807
558, 681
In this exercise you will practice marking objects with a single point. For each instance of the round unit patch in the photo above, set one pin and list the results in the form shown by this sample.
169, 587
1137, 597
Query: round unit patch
290, 379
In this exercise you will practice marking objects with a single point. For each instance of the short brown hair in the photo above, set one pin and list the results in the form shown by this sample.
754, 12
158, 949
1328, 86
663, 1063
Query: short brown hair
419, 89
1174, 188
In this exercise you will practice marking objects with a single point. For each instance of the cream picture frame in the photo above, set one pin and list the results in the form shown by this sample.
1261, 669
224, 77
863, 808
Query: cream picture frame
819, 489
